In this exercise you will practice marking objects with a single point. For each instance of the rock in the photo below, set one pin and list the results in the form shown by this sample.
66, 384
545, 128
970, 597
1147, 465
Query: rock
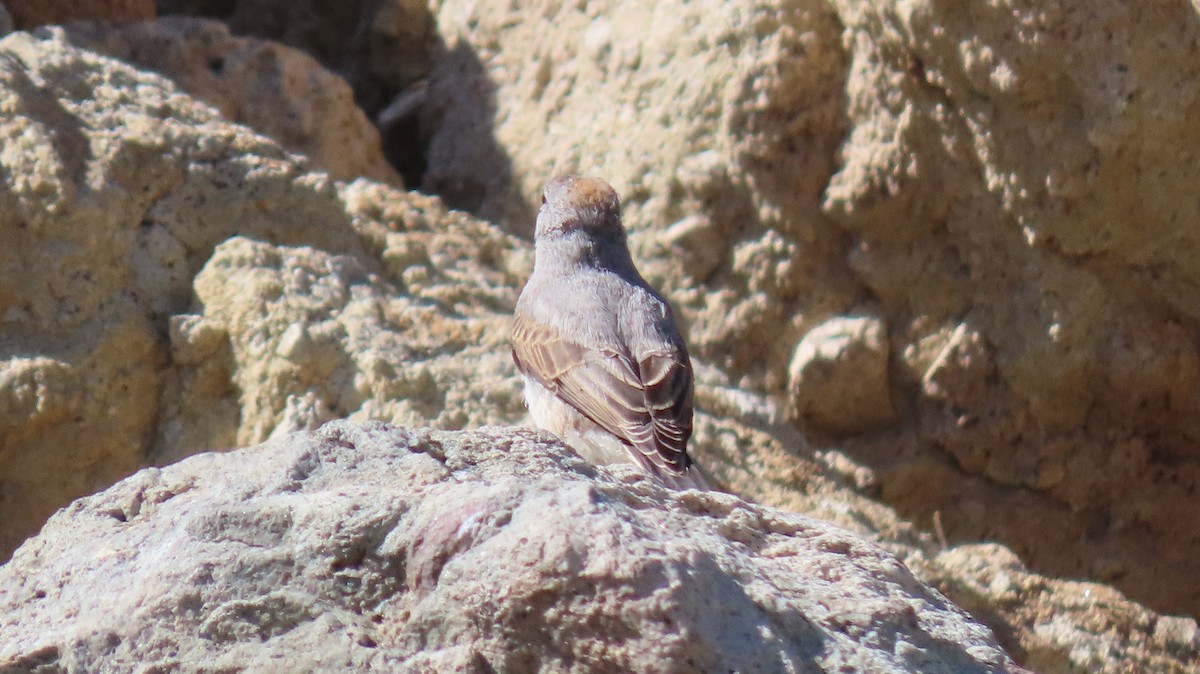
981, 173
115, 355
29, 14
840, 378
278, 91
377, 548
172, 283
383, 48
379, 47
1050, 614
1010, 176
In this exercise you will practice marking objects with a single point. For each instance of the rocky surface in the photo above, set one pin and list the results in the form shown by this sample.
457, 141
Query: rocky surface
1004, 191
383, 48
379, 46
374, 548
1054, 626
136, 331
830, 226
280, 92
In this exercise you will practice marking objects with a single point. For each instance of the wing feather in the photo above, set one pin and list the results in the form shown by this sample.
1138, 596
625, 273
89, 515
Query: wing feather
644, 401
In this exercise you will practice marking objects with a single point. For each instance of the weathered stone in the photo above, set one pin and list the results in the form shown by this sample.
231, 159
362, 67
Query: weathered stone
839, 376
116, 354
278, 91
1053, 627
376, 548
381, 47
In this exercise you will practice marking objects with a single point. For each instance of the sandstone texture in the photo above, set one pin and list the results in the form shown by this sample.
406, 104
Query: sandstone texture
383, 48
1038, 617
174, 282
932, 269
1005, 188
377, 548
832, 374
379, 46
280, 92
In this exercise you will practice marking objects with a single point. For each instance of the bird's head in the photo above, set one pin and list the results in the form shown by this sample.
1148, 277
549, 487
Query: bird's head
579, 204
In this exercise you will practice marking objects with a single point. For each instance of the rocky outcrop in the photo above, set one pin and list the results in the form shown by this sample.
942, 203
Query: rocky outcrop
280, 92
135, 330
1053, 625
381, 47
1002, 193
171, 282
375, 548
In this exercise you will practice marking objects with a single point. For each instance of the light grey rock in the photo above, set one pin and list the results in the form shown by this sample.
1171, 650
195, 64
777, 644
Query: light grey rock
378, 548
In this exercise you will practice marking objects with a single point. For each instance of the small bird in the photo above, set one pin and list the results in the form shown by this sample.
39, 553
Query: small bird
604, 366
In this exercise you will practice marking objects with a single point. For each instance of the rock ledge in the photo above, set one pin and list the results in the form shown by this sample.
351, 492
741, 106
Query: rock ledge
374, 547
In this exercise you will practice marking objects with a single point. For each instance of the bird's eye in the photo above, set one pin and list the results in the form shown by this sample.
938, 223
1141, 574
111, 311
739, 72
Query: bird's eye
543, 199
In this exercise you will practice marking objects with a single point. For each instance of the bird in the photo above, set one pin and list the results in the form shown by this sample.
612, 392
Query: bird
603, 363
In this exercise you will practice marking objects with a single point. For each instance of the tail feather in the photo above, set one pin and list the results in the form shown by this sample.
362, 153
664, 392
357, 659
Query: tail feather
689, 479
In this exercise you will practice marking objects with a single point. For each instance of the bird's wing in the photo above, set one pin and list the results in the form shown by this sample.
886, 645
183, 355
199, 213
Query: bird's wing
667, 385
646, 402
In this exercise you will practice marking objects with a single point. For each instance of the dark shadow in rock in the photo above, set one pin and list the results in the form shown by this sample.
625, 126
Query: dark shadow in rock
469, 169
384, 50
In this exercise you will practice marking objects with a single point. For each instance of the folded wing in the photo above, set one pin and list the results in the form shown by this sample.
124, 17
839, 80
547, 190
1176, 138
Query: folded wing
644, 399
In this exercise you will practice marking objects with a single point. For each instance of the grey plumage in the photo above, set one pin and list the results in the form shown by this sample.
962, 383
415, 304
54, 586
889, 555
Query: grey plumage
603, 363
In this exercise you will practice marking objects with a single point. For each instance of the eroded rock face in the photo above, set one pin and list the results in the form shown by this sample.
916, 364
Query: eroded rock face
383, 48
1036, 616
375, 547
1006, 188
1032, 155
171, 282
118, 351
280, 92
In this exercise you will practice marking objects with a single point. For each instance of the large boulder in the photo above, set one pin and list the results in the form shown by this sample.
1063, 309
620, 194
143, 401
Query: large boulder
280, 92
376, 548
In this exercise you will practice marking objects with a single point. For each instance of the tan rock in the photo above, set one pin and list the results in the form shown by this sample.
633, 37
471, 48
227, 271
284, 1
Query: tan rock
382, 48
1049, 614
1031, 155
114, 355
839, 376
278, 91
314, 336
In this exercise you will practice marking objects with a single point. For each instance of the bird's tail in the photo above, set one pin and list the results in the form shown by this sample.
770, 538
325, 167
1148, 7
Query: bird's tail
689, 479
